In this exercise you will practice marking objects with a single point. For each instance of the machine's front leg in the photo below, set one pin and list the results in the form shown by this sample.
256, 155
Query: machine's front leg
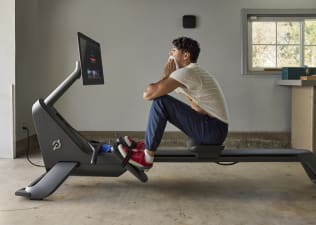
48, 182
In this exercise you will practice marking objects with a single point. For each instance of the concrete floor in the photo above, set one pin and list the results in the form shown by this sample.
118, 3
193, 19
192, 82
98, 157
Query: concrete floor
177, 194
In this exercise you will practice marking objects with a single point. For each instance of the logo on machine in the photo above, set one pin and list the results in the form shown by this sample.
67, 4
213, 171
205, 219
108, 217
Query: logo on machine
56, 144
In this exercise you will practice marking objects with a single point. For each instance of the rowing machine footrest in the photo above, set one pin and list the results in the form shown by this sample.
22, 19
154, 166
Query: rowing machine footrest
140, 174
207, 151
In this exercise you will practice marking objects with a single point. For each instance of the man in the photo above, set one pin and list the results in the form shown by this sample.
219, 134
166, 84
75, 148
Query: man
204, 119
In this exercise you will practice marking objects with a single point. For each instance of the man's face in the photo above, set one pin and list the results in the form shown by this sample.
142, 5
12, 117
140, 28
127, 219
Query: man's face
176, 53
181, 57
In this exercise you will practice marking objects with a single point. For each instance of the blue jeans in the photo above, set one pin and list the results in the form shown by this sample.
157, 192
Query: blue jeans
199, 127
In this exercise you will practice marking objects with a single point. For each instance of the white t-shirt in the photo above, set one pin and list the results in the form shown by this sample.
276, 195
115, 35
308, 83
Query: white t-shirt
203, 89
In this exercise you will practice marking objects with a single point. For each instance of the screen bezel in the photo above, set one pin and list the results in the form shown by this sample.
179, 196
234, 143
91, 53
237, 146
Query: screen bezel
85, 79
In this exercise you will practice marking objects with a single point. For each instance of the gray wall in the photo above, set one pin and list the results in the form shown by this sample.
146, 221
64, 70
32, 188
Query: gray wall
7, 78
27, 61
135, 36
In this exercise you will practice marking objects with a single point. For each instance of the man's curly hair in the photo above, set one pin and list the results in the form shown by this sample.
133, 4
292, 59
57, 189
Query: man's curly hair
186, 44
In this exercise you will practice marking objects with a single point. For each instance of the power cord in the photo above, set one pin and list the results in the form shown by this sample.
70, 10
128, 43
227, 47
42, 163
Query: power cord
28, 147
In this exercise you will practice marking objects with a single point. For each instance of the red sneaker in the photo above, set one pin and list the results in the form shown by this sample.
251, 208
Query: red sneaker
137, 158
129, 141
140, 145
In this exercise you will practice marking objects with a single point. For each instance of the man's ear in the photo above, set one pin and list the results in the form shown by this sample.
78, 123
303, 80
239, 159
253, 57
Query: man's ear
186, 56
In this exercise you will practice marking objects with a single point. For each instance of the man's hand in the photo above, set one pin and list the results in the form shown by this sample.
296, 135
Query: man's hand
169, 68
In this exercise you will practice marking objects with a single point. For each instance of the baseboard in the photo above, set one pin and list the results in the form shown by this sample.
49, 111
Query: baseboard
238, 140
235, 140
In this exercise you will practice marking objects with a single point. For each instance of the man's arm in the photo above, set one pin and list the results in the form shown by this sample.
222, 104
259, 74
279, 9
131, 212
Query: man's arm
161, 88
165, 85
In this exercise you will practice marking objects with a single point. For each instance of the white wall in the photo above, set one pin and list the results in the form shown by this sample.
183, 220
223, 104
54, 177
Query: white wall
27, 61
7, 65
135, 36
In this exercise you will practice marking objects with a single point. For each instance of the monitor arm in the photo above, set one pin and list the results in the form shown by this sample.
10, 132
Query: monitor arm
63, 87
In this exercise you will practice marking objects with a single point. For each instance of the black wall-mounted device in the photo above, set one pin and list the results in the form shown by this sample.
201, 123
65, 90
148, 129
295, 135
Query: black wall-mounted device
189, 21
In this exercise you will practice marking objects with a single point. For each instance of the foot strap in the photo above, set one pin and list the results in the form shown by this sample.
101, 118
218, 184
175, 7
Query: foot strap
130, 150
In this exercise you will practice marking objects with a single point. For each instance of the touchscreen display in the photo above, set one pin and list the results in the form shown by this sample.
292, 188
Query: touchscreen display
91, 61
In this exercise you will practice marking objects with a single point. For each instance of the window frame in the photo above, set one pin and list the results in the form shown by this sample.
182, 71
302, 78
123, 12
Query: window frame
246, 33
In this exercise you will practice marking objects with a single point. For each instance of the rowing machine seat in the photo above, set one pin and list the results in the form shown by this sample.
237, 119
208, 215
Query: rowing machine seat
207, 151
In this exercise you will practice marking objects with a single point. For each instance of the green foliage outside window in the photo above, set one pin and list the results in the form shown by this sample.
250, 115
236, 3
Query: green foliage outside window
277, 44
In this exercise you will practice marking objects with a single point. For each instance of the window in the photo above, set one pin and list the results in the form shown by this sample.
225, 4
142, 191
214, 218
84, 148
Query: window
273, 39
